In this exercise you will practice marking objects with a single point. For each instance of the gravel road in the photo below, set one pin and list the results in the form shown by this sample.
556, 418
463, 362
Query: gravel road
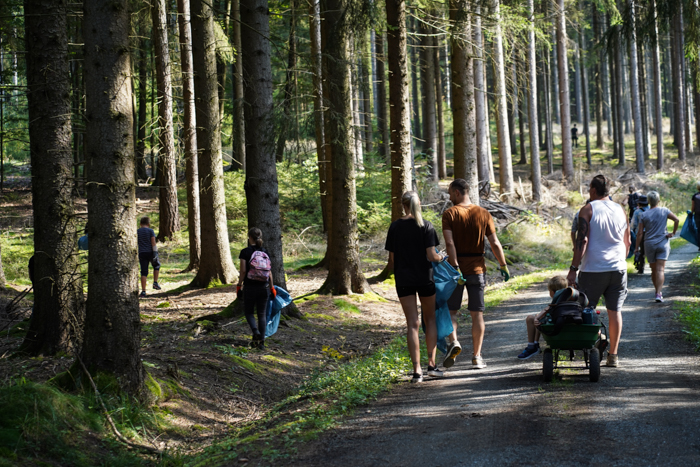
646, 412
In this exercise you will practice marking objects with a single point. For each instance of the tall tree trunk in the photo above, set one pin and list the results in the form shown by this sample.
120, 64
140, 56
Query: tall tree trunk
643, 105
639, 145
554, 79
687, 103
564, 105
658, 124
289, 86
512, 103
463, 105
678, 93
238, 130
607, 79
190, 135
56, 324
355, 103
427, 80
366, 103
586, 108
441, 153
536, 171
548, 113
598, 76
142, 104
521, 125
505, 163
577, 83
220, 64
169, 222
399, 104
614, 107
382, 116
112, 322
415, 107
216, 263
626, 96
482, 121
344, 273
317, 77
261, 186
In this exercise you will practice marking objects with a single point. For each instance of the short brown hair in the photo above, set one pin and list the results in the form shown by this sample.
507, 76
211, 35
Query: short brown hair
460, 185
145, 221
557, 283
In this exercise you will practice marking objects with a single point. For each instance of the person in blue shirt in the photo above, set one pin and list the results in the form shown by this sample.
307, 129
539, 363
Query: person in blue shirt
148, 254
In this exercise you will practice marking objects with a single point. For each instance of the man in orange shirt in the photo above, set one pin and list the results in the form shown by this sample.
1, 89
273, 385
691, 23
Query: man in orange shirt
465, 227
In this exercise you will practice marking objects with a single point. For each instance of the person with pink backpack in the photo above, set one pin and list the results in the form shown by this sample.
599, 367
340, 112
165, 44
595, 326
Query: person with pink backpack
256, 279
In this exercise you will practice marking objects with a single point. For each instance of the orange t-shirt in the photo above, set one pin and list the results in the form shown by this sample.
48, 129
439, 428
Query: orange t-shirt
470, 225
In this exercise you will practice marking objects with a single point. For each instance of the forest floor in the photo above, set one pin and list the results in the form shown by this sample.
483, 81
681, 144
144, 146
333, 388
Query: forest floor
214, 387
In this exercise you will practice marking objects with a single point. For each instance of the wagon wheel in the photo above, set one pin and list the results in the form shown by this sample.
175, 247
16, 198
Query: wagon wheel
594, 363
548, 365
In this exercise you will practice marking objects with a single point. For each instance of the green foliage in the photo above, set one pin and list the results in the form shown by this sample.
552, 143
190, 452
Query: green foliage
17, 248
345, 306
689, 310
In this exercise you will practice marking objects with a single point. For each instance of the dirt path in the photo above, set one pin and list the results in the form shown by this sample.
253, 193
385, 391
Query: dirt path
643, 413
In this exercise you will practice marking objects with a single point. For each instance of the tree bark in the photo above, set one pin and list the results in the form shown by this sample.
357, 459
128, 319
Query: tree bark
238, 130
382, 117
290, 84
56, 325
554, 79
536, 171
366, 103
614, 107
441, 153
112, 323
678, 92
344, 273
415, 108
190, 136
598, 76
639, 145
505, 163
169, 223
143, 103
656, 64
427, 81
317, 78
564, 104
584, 96
463, 105
216, 263
521, 125
577, 83
548, 113
481, 113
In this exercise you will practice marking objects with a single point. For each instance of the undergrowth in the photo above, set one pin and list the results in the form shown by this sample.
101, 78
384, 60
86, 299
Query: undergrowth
689, 310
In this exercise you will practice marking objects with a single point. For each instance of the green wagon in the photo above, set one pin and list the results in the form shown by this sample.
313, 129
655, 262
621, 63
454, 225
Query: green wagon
573, 337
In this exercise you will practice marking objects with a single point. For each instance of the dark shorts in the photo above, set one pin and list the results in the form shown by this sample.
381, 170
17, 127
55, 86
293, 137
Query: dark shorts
475, 284
144, 260
421, 290
611, 285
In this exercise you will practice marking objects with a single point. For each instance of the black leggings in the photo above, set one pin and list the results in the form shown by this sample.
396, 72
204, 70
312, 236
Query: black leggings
256, 298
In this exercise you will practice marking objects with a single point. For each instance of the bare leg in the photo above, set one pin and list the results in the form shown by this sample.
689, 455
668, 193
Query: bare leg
615, 330
410, 309
156, 273
453, 315
428, 308
660, 274
532, 332
653, 275
143, 282
478, 328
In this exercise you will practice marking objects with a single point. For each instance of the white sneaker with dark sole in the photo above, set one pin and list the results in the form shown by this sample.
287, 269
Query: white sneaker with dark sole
478, 363
435, 372
453, 350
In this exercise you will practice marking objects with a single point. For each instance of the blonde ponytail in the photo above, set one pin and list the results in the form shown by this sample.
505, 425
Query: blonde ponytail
411, 204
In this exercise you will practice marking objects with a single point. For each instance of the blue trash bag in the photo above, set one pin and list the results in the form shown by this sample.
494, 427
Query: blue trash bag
633, 245
445, 278
83, 243
274, 307
689, 232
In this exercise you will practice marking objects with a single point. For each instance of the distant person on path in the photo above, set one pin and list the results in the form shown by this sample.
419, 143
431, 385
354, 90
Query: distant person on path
631, 200
411, 243
695, 209
602, 243
465, 227
656, 240
642, 207
256, 278
574, 136
148, 254
555, 284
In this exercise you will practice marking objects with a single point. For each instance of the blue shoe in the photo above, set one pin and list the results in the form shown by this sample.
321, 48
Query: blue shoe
529, 352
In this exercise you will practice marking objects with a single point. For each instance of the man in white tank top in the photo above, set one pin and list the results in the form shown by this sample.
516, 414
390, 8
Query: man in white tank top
602, 243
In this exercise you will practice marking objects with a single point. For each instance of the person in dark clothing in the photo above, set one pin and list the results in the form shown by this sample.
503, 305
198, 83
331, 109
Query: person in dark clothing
148, 254
632, 200
411, 243
574, 136
695, 209
257, 285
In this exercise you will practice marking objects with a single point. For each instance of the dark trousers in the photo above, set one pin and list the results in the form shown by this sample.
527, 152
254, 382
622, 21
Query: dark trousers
255, 299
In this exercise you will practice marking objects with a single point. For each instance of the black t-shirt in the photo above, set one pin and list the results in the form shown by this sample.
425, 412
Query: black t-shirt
633, 200
408, 242
574, 133
245, 255
696, 198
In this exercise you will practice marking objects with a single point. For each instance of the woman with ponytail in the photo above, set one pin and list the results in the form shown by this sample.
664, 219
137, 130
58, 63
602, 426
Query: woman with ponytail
256, 278
411, 243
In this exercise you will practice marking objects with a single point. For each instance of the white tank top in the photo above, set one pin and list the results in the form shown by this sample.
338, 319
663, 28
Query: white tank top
606, 241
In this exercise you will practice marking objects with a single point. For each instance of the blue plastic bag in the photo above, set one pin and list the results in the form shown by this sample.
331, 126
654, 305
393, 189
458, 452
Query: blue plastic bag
83, 243
689, 232
274, 307
445, 278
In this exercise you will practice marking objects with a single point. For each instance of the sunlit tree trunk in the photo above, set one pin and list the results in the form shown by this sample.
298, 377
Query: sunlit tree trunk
441, 154
677, 80
238, 130
639, 145
382, 115
415, 107
598, 77
482, 131
658, 124
532, 94
564, 106
584, 97
546, 76
505, 163
317, 77
427, 80
142, 104
289, 86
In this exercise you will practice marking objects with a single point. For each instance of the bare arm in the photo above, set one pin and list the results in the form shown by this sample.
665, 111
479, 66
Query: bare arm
584, 219
390, 264
497, 249
640, 228
154, 247
675, 220
433, 255
573, 239
243, 270
628, 238
450, 247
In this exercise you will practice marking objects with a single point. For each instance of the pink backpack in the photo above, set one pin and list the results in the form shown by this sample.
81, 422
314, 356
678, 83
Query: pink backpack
259, 267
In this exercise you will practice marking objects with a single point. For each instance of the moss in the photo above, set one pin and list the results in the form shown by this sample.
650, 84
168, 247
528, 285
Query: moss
306, 298
370, 297
153, 387
163, 305
170, 389
345, 306
242, 362
319, 316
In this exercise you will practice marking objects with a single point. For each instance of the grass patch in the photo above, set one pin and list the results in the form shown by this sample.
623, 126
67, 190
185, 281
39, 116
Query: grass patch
689, 310
496, 294
233, 354
320, 316
345, 306
370, 297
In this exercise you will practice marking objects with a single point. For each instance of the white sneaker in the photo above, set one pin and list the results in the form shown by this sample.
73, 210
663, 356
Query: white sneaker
478, 363
435, 371
453, 350
659, 298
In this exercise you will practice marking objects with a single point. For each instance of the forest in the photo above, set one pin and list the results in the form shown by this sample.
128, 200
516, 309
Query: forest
308, 120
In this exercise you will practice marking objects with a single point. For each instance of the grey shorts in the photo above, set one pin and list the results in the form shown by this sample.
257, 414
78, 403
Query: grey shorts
475, 284
659, 251
611, 285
